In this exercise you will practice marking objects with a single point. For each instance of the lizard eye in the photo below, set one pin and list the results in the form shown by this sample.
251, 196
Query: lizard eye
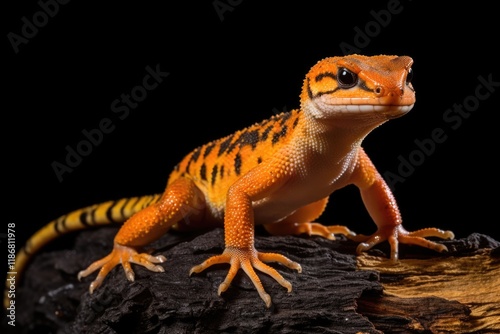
346, 78
409, 76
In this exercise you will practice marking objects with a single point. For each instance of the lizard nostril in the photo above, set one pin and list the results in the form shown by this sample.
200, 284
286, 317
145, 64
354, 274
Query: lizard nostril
379, 90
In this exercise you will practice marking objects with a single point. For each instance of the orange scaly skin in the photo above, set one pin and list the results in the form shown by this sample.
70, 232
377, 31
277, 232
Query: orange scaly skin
280, 173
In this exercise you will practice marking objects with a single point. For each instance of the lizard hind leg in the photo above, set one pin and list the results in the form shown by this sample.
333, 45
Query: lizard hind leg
181, 199
301, 222
125, 256
309, 228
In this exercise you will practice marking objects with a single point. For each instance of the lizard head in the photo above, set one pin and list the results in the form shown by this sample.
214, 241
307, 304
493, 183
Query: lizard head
355, 86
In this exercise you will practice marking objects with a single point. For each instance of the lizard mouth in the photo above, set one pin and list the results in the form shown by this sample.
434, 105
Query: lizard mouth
385, 107
372, 108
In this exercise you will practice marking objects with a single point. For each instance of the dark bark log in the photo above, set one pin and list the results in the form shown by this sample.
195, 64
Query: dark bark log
331, 295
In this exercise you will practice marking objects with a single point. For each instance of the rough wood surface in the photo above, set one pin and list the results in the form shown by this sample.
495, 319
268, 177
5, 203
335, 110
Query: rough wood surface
336, 292
469, 275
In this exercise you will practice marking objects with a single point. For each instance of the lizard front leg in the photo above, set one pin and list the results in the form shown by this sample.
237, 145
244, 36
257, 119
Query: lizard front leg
181, 199
239, 235
382, 207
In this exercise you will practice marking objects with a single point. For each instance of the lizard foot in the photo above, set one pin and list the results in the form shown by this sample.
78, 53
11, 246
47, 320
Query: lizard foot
124, 255
248, 259
327, 231
309, 228
397, 234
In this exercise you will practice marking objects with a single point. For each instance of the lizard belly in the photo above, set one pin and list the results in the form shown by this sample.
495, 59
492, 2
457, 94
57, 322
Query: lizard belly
303, 189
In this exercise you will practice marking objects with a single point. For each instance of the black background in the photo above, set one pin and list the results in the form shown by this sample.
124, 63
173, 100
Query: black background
227, 74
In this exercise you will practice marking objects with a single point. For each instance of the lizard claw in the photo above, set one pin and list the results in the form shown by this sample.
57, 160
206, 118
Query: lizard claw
248, 260
124, 255
398, 234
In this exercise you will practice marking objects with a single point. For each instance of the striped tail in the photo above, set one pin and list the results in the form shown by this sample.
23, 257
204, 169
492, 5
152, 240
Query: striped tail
98, 214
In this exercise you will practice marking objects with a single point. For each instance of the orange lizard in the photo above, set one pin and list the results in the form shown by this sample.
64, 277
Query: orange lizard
278, 173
